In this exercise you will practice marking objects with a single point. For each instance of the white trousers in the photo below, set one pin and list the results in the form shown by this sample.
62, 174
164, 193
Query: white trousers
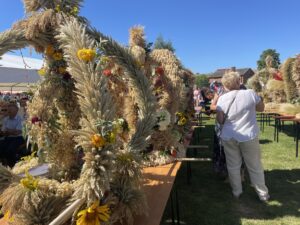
250, 151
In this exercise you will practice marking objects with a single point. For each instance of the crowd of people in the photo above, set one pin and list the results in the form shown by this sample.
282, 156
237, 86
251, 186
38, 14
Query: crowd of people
12, 115
236, 131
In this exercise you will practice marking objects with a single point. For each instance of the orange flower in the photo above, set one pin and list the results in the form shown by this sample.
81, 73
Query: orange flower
98, 141
49, 50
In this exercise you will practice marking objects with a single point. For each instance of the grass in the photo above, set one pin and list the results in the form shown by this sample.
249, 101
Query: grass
208, 200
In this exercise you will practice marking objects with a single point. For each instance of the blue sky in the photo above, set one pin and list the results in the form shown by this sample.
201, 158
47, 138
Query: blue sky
207, 34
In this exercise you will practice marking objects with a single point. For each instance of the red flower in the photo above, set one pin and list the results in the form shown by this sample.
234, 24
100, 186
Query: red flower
107, 72
174, 153
158, 82
159, 70
35, 119
277, 76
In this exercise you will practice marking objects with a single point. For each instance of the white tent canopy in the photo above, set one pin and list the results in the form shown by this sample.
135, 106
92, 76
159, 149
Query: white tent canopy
14, 77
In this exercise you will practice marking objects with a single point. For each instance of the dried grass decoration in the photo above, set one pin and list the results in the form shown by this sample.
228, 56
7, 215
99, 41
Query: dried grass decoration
275, 85
73, 112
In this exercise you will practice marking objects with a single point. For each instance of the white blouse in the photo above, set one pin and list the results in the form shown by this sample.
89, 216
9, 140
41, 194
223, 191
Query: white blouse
240, 124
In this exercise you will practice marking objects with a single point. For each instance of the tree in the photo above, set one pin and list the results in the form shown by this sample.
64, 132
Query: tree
261, 63
201, 80
160, 43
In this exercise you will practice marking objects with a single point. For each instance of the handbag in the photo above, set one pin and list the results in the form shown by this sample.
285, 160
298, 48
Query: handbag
220, 127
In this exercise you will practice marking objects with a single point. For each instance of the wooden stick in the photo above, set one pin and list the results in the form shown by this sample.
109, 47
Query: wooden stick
193, 159
67, 214
197, 146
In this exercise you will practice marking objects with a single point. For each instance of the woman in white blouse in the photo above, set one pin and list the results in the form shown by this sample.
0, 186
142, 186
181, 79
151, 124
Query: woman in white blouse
236, 111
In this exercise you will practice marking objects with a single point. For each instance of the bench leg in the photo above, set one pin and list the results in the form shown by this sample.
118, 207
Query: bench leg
297, 139
278, 127
263, 122
177, 206
189, 172
172, 210
275, 127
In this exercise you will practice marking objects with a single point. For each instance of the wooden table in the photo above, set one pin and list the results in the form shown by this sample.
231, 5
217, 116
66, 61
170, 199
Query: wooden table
3, 222
157, 184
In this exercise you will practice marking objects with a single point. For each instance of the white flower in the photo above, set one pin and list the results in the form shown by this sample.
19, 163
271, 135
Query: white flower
164, 119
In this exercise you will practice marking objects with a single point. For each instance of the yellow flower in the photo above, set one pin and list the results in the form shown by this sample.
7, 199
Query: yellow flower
139, 64
57, 56
93, 215
98, 141
42, 72
57, 8
29, 182
29, 157
75, 10
49, 50
112, 137
8, 217
104, 59
182, 121
86, 55
179, 114
62, 70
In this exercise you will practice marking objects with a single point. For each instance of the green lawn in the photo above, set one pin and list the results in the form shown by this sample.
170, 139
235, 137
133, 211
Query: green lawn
208, 201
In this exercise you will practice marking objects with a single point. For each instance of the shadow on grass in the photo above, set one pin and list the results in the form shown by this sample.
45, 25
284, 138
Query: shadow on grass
208, 200
264, 141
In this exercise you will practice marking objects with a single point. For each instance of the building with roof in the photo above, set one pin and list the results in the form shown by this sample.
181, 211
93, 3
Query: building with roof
18, 73
245, 74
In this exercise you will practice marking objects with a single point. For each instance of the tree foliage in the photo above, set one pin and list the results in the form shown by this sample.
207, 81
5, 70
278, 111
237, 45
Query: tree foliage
160, 43
201, 80
261, 63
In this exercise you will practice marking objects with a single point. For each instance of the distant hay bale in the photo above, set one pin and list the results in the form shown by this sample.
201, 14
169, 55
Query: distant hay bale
272, 107
296, 73
275, 85
289, 109
289, 83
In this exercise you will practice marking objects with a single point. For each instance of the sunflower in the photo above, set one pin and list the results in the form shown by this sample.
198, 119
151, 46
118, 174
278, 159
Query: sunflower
86, 55
93, 215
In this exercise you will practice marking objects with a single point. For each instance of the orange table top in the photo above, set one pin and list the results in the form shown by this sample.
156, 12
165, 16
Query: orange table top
158, 183
3, 222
